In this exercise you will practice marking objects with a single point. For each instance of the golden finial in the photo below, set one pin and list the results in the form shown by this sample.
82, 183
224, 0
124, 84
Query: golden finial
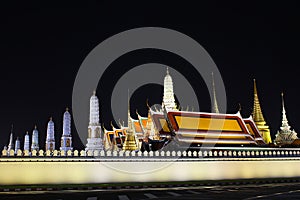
215, 103
111, 124
255, 89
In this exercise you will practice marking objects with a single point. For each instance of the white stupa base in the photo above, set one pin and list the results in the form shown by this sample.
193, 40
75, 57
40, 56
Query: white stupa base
94, 144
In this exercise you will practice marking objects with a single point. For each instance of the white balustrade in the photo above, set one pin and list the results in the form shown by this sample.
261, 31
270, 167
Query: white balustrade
230, 153
26, 153
100, 153
34, 152
179, 153
55, 153
19, 152
108, 153
139, 154
69, 153
145, 154
76, 153
90, 153
121, 153
41, 153
173, 153
115, 153
151, 153
168, 153
200, 154
156, 153
62, 153
82, 153
239, 153
48, 153
133, 153
4, 152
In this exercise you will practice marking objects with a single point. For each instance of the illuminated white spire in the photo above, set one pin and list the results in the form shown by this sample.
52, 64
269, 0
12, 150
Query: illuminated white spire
26, 142
94, 140
94, 109
11, 140
17, 145
67, 123
285, 135
168, 98
285, 124
35, 139
50, 140
66, 138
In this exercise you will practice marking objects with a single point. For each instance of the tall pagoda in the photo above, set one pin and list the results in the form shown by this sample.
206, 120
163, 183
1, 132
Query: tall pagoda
259, 118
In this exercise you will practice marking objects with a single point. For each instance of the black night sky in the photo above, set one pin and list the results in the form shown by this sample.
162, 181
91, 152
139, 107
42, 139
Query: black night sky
43, 46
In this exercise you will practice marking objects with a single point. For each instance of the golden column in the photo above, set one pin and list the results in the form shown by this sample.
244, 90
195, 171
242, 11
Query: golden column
259, 118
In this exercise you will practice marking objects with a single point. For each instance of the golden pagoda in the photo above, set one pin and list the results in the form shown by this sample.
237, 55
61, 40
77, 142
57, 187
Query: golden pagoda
259, 118
130, 143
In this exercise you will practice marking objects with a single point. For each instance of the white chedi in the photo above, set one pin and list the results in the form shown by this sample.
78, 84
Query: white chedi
26, 142
35, 139
168, 98
66, 138
50, 140
285, 135
11, 145
94, 140
17, 145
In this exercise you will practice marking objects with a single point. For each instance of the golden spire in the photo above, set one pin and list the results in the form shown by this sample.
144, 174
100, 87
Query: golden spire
128, 112
257, 113
259, 118
215, 103
130, 143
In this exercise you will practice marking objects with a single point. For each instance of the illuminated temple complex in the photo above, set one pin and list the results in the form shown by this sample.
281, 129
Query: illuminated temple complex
167, 128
